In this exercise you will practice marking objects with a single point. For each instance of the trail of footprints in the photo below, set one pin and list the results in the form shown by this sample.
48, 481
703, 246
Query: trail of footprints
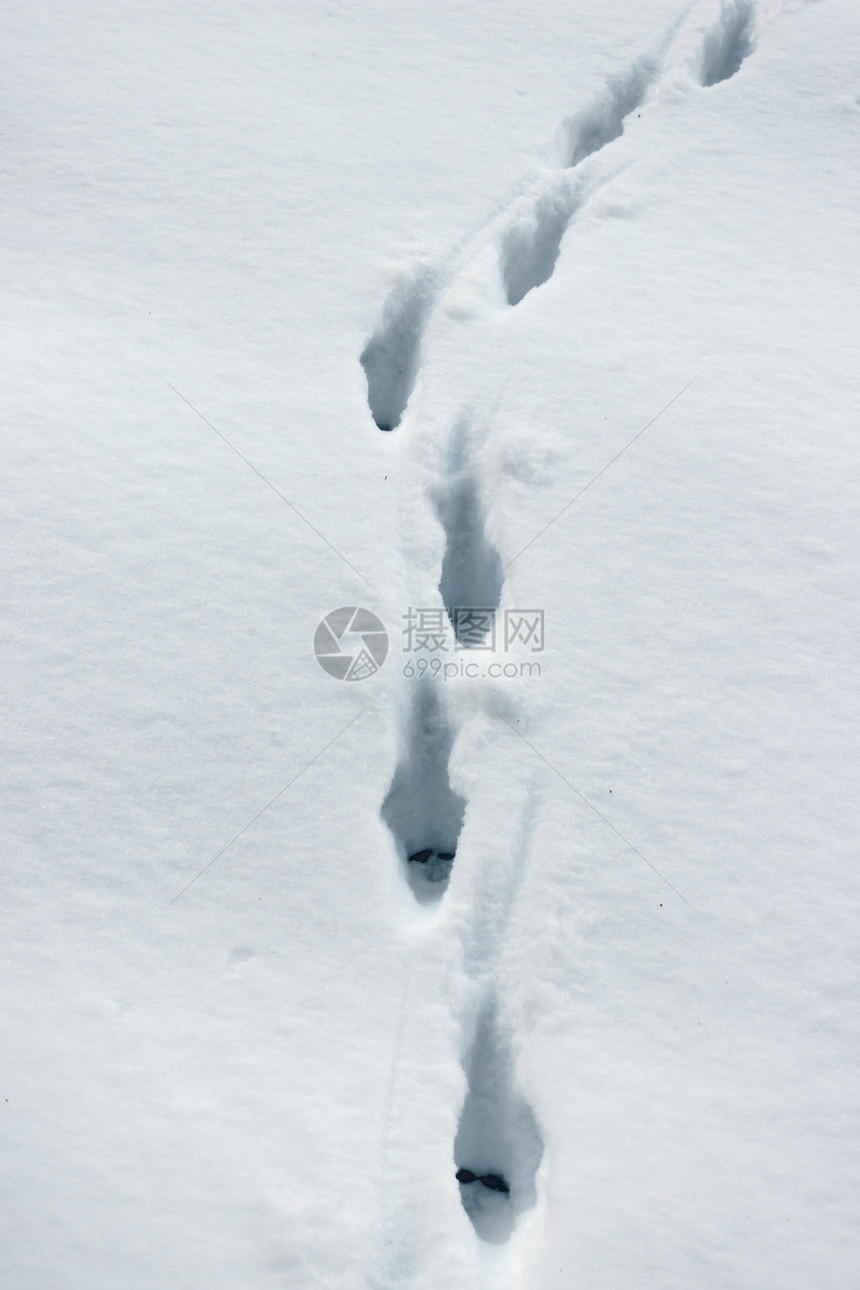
498, 1147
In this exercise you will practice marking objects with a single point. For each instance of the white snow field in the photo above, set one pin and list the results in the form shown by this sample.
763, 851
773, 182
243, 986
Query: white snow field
592, 268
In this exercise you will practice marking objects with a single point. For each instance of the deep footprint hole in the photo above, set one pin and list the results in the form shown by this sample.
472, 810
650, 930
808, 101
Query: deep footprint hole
435, 867
531, 249
392, 356
604, 121
491, 1181
471, 581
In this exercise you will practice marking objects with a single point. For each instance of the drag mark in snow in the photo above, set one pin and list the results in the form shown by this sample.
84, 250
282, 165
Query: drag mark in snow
498, 1148
421, 809
391, 357
730, 42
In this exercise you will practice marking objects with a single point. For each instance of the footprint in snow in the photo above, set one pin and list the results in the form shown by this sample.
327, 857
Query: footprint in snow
729, 43
497, 1144
471, 577
392, 356
421, 809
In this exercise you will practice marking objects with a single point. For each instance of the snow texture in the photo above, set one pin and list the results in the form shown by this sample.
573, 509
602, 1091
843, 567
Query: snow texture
568, 912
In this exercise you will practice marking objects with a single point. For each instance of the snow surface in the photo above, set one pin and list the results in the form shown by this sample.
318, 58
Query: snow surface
523, 233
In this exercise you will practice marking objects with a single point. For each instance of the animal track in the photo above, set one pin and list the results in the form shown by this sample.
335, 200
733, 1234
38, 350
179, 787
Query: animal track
471, 568
730, 42
422, 811
498, 1144
391, 357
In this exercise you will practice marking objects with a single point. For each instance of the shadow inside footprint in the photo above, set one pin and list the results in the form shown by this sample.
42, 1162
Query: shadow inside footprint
392, 355
729, 43
471, 582
498, 1147
435, 866
422, 811
603, 122
530, 250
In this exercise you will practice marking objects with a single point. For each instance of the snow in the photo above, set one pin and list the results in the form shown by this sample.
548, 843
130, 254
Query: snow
596, 267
